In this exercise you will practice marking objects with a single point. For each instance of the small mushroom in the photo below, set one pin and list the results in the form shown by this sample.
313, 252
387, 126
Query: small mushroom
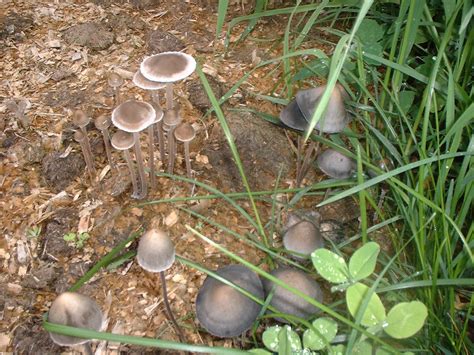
145, 84
75, 310
171, 119
123, 141
134, 116
156, 253
303, 238
168, 67
285, 300
115, 81
81, 120
185, 133
82, 140
335, 164
102, 123
224, 311
159, 127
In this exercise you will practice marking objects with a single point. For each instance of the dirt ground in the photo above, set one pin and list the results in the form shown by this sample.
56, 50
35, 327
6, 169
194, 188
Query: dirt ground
55, 58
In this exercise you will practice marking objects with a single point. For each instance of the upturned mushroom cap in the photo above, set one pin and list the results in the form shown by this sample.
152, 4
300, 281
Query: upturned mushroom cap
168, 67
122, 140
102, 122
336, 117
80, 119
133, 116
155, 251
145, 84
335, 164
75, 310
292, 116
171, 118
184, 132
303, 238
286, 301
224, 311
115, 80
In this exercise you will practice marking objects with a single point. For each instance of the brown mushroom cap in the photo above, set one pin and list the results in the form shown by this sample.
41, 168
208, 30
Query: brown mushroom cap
158, 112
75, 310
286, 301
155, 251
168, 67
102, 122
122, 140
224, 311
171, 118
335, 164
133, 116
115, 80
79, 136
145, 84
184, 132
304, 237
80, 119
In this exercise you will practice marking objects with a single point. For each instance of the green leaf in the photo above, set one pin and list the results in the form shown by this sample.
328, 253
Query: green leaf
281, 339
405, 319
406, 98
69, 237
362, 262
260, 352
370, 31
327, 331
362, 348
375, 311
330, 266
338, 350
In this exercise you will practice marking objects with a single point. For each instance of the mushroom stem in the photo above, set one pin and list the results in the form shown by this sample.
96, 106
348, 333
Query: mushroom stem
108, 149
155, 97
188, 159
88, 149
133, 176
171, 150
141, 167
168, 308
81, 138
151, 154
169, 96
161, 140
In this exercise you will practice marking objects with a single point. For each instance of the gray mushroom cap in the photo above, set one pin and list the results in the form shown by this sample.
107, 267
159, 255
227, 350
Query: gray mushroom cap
115, 80
292, 117
336, 117
75, 310
133, 116
335, 164
143, 83
302, 215
80, 119
224, 311
303, 238
122, 140
156, 251
168, 67
184, 132
286, 301
171, 117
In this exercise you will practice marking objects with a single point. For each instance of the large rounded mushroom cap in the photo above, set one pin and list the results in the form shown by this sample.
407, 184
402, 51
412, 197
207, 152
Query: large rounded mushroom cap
156, 251
335, 164
303, 238
292, 117
75, 310
224, 311
286, 301
133, 116
168, 67
145, 84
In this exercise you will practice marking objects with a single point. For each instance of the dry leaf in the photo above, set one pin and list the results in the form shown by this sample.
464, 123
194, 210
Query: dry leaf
171, 219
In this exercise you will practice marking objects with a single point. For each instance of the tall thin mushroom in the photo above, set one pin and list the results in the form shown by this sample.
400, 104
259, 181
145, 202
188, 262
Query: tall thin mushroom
115, 81
81, 139
185, 133
171, 119
102, 123
81, 120
151, 147
123, 141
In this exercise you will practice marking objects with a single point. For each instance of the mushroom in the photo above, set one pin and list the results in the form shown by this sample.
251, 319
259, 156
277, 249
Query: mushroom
335, 164
102, 123
115, 81
285, 300
122, 140
81, 120
156, 253
75, 310
134, 116
151, 144
82, 139
221, 309
168, 67
159, 126
171, 119
185, 133
303, 238
145, 84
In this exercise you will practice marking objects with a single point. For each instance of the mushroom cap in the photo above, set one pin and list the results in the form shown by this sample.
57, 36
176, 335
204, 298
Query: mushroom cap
224, 311
168, 67
133, 116
75, 310
286, 301
122, 140
79, 136
80, 119
143, 83
184, 132
155, 251
304, 237
335, 164
115, 80
292, 116
171, 118
336, 117
102, 122
302, 215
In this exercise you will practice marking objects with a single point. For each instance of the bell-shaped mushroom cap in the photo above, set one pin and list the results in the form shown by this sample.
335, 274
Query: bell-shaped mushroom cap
155, 251
79, 136
292, 117
184, 132
143, 83
122, 140
75, 310
114, 80
336, 117
102, 122
80, 119
133, 116
302, 215
224, 311
287, 302
171, 117
168, 67
335, 164
304, 237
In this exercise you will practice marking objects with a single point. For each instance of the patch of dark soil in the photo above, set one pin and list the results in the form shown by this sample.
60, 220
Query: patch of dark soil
52, 244
263, 149
41, 278
27, 153
8, 140
90, 34
120, 23
30, 338
161, 41
65, 97
73, 273
60, 172
198, 96
343, 211
14, 26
